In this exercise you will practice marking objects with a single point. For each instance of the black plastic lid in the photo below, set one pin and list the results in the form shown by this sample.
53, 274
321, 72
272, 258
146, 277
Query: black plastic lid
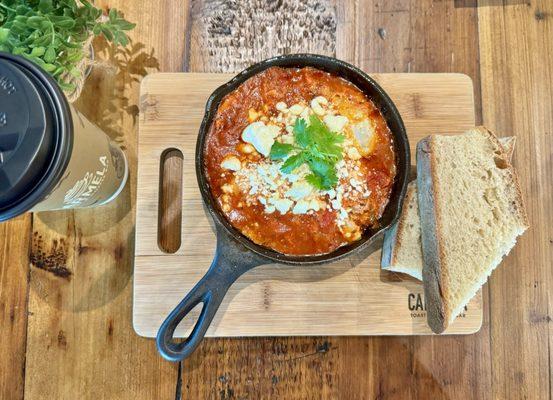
35, 135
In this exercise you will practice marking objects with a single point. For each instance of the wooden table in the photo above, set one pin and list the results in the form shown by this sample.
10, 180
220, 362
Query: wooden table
71, 337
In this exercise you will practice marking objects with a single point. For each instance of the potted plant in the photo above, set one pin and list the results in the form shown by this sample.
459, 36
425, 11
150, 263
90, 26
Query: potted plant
57, 35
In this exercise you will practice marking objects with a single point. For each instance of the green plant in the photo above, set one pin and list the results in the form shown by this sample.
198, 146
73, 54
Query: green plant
316, 146
52, 33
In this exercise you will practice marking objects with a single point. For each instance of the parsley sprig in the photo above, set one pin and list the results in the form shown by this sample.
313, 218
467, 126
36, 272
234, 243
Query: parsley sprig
315, 146
51, 33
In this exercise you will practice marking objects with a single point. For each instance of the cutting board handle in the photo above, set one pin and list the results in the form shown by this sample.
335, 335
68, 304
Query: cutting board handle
231, 260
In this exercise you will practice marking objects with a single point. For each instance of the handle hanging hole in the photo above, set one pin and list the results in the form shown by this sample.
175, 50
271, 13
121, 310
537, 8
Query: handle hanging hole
170, 201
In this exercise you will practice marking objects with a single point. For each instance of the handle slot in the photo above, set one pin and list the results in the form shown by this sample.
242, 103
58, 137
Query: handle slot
170, 201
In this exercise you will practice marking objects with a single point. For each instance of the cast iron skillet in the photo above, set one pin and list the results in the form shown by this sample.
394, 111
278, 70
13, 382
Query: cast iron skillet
235, 253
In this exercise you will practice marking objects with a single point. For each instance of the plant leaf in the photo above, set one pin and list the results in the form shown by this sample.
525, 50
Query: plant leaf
45, 6
315, 181
107, 32
21, 9
300, 133
64, 23
292, 163
280, 150
112, 15
38, 51
35, 22
49, 67
51, 33
320, 166
66, 86
4, 34
125, 25
50, 54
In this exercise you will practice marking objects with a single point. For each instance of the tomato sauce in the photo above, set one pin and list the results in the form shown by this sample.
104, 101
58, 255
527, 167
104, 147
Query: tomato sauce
297, 234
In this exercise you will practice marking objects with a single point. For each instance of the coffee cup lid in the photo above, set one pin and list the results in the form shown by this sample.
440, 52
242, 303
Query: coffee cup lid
31, 135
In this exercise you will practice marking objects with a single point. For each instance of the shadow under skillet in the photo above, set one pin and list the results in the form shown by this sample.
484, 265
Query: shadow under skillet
282, 273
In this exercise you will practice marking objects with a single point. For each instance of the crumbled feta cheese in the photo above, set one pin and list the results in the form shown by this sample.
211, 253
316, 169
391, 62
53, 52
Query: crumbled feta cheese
296, 109
291, 120
245, 148
305, 114
299, 190
292, 177
232, 163
331, 193
317, 103
301, 207
335, 123
314, 205
282, 205
342, 169
252, 115
227, 188
261, 136
365, 135
353, 153
273, 130
252, 130
288, 139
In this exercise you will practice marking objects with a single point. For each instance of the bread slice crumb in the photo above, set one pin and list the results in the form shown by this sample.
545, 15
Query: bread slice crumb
401, 251
471, 213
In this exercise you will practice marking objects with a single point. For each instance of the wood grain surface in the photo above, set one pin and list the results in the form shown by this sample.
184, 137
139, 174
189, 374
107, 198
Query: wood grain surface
516, 51
350, 297
79, 340
14, 281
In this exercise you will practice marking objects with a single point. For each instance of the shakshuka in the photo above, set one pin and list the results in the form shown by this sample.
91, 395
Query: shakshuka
300, 160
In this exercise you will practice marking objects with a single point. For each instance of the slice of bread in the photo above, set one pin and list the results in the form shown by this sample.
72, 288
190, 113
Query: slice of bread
401, 251
471, 212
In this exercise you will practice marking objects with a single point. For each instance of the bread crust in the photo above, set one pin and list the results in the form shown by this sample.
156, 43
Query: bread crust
394, 236
435, 287
389, 245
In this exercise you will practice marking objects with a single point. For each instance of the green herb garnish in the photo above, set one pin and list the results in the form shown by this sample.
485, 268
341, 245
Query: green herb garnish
51, 33
317, 147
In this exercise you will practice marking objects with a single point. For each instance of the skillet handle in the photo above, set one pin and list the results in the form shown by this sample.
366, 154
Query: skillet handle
231, 260
204, 292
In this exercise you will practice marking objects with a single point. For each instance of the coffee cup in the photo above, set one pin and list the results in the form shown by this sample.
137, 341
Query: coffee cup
51, 156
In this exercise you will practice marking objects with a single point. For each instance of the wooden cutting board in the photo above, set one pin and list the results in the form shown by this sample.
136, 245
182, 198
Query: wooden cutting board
351, 297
